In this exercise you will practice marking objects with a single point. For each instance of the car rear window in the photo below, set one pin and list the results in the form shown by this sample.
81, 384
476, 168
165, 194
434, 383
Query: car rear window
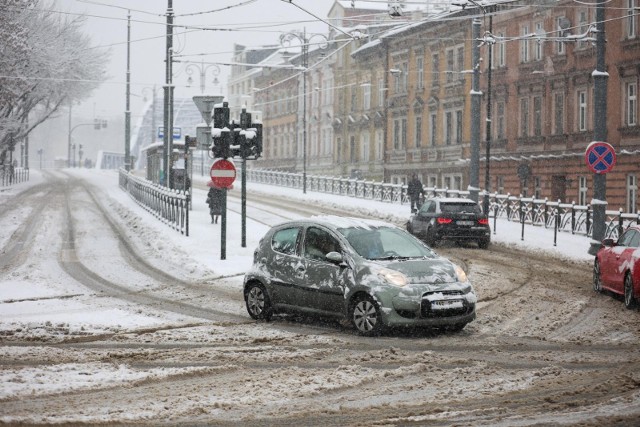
460, 207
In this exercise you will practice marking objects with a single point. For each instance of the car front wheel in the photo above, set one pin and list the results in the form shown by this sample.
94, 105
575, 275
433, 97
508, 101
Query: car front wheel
597, 281
365, 316
629, 298
258, 303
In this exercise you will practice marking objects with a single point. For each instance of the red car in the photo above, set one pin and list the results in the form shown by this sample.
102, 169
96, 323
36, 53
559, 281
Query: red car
617, 266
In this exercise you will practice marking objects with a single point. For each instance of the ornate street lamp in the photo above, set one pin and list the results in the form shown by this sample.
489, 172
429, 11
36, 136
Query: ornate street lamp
202, 69
304, 39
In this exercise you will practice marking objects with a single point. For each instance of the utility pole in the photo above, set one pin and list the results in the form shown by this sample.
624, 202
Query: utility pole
600, 77
487, 162
305, 64
168, 100
476, 95
127, 112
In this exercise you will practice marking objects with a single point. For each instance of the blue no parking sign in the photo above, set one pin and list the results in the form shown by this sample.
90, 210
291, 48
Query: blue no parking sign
600, 157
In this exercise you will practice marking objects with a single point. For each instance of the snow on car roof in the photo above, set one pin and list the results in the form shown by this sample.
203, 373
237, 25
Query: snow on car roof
350, 222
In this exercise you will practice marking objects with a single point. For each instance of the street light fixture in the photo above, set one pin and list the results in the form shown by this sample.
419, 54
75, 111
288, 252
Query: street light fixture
202, 69
304, 39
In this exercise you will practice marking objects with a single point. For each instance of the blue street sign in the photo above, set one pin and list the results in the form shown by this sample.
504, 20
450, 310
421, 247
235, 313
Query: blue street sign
177, 132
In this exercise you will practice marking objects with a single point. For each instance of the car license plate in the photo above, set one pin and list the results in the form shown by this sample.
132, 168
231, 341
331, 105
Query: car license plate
464, 222
446, 305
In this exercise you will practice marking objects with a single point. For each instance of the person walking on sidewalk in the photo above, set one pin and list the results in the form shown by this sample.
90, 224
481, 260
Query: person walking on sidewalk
215, 201
415, 190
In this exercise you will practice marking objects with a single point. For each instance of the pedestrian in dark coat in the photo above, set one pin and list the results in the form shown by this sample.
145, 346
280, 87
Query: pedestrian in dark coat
215, 201
415, 190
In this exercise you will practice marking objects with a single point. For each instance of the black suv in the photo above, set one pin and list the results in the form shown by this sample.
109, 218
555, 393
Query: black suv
457, 219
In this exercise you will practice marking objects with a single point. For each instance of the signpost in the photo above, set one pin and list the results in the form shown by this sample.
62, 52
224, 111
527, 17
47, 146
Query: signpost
223, 174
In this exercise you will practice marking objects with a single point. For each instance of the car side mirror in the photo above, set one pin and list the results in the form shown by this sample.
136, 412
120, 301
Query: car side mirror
608, 242
335, 258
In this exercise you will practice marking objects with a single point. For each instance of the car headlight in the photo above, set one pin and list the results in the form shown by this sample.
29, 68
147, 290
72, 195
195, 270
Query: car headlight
393, 277
460, 274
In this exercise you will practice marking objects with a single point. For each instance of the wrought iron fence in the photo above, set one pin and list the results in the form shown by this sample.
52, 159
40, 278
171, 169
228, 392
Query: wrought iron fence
560, 217
169, 206
10, 175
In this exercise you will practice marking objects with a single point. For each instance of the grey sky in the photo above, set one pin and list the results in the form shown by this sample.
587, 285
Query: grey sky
253, 23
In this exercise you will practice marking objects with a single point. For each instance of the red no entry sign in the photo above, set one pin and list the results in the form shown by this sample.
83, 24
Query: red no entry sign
223, 173
600, 157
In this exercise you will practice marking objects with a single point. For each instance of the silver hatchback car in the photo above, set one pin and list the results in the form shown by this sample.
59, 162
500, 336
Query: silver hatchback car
371, 272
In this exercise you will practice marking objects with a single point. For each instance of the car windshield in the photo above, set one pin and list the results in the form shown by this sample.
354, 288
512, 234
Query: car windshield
460, 208
386, 243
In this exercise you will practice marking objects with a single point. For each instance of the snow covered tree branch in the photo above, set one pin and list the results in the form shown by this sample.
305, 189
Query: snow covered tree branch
46, 62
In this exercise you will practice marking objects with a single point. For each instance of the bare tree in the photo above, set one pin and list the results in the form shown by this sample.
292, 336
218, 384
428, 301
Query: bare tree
45, 62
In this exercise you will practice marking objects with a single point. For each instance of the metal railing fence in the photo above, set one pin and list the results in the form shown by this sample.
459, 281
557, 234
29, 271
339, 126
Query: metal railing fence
10, 175
168, 205
561, 217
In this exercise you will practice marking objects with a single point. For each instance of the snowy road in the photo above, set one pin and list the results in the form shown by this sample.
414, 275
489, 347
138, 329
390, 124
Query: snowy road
105, 320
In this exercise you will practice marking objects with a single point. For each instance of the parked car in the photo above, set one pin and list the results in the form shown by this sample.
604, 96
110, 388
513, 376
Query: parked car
449, 218
616, 267
370, 272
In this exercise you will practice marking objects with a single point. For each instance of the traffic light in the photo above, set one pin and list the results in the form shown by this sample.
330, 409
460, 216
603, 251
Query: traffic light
222, 137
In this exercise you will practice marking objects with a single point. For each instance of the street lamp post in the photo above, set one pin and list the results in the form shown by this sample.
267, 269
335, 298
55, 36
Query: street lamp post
304, 39
202, 70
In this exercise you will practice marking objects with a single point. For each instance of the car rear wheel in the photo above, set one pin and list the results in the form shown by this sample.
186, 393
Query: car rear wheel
483, 243
597, 282
258, 303
365, 316
629, 298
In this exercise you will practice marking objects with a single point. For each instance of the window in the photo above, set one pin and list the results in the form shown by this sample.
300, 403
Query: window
501, 59
560, 22
631, 104
583, 26
582, 110
420, 67
318, 243
396, 134
632, 193
459, 127
404, 76
457, 182
435, 69
537, 51
460, 62
500, 184
365, 147
399, 133
284, 241
354, 98
403, 141
448, 127
418, 132
537, 187
500, 122
537, 115
432, 181
524, 44
450, 65
631, 19
434, 130
366, 96
558, 119
352, 149
524, 117
381, 91
582, 190
379, 144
